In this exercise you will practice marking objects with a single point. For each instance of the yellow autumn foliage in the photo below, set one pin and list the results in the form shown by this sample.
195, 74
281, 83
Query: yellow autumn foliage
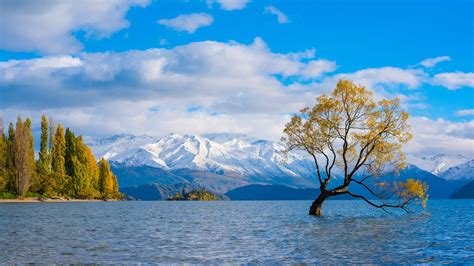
414, 190
362, 136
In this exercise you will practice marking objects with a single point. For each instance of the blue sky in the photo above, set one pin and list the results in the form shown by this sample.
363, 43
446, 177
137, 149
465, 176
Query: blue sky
155, 67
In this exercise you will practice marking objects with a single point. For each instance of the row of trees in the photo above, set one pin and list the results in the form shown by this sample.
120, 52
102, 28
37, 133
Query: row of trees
65, 166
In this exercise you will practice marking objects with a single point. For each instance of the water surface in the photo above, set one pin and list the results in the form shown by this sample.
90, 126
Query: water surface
234, 232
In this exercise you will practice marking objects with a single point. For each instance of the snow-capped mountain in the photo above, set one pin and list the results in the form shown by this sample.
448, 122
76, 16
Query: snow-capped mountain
463, 171
436, 164
215, 153
238, 154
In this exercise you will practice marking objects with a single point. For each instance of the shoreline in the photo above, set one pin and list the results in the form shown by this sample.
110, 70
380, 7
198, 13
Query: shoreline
46, 200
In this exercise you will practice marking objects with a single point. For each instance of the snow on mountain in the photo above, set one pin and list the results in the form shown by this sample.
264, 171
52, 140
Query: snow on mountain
119, 147
436, 164
240, 154
216, 153
463, 171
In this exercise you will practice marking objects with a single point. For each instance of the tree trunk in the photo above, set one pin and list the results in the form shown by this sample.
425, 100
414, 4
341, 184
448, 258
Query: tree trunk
317, 206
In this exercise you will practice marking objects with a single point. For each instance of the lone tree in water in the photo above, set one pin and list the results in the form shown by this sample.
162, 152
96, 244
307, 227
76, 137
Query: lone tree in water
350, 131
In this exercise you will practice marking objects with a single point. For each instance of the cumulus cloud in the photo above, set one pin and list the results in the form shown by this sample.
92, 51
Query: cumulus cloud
48, 26
465, 112
237, 88
379, 78
281, 17
200, 87
441, 136
432, 62
315, 68
454, 80
229, 4
188, 22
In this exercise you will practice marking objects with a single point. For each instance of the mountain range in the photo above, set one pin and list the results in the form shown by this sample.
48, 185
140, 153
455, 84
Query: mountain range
223, 162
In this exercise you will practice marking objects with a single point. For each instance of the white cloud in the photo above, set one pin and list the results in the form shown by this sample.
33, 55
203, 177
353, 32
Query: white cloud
47, 26
306, 54
431, 62
237, 88
454, 80
465, 112
441, 136
188, 22
315, 68
229, 4
163, 42
281, 17
380, 78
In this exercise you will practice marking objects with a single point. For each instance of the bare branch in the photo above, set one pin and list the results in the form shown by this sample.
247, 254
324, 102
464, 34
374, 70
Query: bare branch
380, 206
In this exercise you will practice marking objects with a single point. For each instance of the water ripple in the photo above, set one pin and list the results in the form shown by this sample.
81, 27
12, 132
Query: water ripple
234, 232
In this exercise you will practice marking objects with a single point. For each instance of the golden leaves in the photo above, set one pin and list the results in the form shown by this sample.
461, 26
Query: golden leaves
369, 131
414, 190
353, 131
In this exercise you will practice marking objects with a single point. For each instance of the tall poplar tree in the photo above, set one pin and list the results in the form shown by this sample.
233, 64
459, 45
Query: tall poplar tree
92, 182
52, 132
108, 185
44, 157
58, 153
43, 182
76, 164
11, 168
3, 159
23, 156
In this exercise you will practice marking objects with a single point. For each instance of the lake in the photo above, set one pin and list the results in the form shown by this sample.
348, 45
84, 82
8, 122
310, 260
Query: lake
234, 232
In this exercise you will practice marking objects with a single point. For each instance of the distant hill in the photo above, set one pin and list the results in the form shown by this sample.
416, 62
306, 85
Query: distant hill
464, 192
135, 181
155, 191
438, 188
275, 192
271, 192
135, 175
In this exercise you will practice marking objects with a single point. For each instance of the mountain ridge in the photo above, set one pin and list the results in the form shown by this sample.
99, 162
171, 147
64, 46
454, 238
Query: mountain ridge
220, 154
231, 153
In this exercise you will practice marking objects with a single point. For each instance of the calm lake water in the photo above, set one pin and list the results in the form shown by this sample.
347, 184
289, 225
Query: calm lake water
234, 232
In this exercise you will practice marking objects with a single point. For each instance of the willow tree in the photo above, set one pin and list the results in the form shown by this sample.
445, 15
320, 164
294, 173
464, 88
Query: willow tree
349, 134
